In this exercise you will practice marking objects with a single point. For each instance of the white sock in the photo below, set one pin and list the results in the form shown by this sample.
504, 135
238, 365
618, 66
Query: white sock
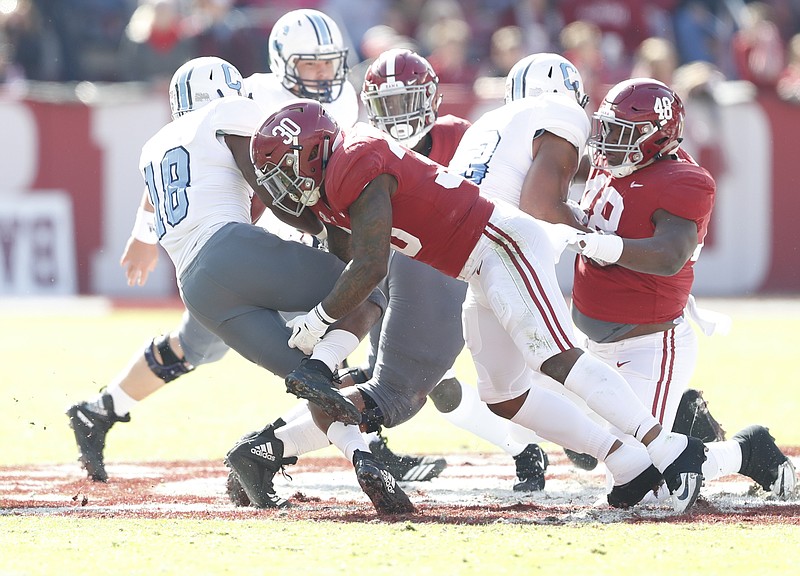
665, 448
301, 436
607, 393
299, 409
558, 420
722, 458
474, 416
347, 438
627, 462
122, 402
370, 437
335, 347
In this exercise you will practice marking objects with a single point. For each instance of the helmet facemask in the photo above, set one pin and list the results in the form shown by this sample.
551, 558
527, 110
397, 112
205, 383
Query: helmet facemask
290, 191
320, 90
406, 113
621, 146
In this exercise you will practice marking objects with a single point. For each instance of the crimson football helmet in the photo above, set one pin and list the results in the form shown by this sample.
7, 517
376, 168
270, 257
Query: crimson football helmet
201, 80
401, 94
290, 152
307, 34
639, 121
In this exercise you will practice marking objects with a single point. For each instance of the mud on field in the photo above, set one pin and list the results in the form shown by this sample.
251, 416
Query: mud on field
473, 489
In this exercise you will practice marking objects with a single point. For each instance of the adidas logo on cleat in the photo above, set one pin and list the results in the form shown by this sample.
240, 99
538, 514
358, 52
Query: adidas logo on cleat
388, 481
83, 418
264, 451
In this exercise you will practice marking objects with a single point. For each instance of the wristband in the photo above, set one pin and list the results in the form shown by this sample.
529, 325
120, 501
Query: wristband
320, 313
322, 236
144, 228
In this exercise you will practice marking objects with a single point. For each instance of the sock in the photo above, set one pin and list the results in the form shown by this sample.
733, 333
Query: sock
347, 438
627, 462
301, 436
665, 448
370, 437
335, 347
122, 402
607, 393
299, 409
474, 416
722, 458
558, 420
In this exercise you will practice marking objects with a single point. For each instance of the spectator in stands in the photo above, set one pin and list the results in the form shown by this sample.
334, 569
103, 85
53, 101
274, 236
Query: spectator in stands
155, 42
789, 80
757, 47
581, 45
449, 39
655, 58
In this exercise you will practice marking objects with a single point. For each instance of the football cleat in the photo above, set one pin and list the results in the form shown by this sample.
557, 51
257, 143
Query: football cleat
90, 422
580, 460
633, 492
530, 464
694, 419
764, 462
406, 468
312, 380
684, 477
380, 486
255, 460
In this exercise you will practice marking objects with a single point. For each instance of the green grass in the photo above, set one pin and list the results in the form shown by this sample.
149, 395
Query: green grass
49, 362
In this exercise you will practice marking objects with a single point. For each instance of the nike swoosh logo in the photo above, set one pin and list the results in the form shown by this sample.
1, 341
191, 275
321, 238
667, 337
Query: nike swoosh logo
621, 364
636, 185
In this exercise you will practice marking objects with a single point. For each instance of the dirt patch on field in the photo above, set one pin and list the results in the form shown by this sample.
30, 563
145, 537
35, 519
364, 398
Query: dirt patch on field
473, 489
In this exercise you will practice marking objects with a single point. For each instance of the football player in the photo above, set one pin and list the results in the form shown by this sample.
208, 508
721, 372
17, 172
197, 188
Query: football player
399, 199
653, 203
233, 276
308, 58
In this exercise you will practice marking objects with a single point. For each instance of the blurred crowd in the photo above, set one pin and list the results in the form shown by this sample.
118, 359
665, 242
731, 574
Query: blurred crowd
689, 44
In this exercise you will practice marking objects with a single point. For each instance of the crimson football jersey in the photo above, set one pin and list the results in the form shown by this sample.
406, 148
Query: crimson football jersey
624, 206
437, 217
445, 134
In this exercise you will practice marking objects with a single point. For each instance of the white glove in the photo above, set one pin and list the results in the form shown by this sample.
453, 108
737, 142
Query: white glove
308, 329
605, 248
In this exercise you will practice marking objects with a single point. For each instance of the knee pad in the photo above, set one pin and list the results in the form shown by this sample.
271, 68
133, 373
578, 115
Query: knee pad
171, 367
372, 416
446, 396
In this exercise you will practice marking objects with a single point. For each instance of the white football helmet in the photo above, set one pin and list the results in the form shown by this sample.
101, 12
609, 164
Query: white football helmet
201, 80
545, 72
308, 35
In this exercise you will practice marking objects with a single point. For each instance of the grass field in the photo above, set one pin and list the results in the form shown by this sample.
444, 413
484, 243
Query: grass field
51, 358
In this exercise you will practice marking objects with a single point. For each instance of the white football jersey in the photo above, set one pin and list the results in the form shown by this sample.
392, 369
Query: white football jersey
192, 178
267, 90
496, 151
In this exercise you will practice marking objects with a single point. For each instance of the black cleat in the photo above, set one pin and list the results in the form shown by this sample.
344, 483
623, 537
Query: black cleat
764, 462
377, 482
406, 468
630, 494
581, 460
684, 477
254, 461
90, 422
314, 381
694, 419
531, 464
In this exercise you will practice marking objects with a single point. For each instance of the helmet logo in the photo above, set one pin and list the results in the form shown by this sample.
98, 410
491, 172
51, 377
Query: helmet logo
288, 129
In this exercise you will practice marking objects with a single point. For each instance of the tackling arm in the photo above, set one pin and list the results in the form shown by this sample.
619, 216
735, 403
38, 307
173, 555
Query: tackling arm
371, 223
667, 251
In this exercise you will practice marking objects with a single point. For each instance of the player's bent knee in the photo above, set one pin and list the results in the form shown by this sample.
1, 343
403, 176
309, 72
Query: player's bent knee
446, 396
170, 367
